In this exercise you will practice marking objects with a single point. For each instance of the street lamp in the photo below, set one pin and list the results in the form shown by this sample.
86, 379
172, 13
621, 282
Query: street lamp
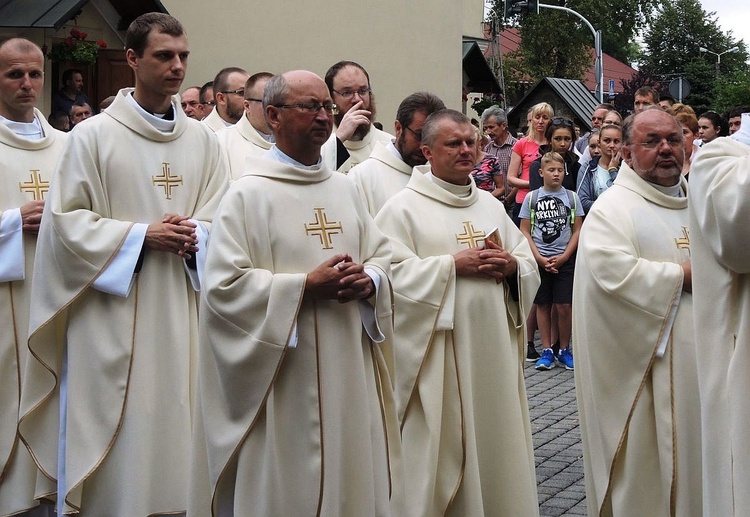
718, 56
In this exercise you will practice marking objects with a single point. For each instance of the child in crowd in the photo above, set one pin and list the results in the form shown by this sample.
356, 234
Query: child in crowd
551, 219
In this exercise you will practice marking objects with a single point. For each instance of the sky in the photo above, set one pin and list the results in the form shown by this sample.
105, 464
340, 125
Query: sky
732, 15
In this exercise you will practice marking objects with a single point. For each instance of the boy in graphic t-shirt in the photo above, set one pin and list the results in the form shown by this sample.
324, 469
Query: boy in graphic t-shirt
551, 218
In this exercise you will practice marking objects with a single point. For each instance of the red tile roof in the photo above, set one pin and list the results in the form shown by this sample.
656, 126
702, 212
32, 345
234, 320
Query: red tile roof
510, 40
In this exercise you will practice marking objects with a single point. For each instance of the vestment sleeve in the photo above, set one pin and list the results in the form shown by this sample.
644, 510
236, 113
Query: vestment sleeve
720, 175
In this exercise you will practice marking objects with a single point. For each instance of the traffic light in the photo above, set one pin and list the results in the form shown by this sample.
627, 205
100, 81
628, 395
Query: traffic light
513, 7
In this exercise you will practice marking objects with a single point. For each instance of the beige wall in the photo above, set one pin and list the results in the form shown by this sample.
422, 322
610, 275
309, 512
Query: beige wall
473, 16
405, 46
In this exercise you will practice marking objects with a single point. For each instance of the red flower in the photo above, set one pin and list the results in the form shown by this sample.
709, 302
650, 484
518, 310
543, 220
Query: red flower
69, 42
101, 44
75, 33
83, 35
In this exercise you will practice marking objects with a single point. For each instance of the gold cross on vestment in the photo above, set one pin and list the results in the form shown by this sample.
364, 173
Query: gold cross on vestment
36, 186
166, 180
323, 228
684, 241
470, 237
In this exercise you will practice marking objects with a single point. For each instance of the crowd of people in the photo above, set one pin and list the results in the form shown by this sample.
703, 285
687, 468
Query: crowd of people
247, 299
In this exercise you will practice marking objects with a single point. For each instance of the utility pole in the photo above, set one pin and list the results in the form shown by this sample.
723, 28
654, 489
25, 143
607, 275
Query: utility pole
518, 6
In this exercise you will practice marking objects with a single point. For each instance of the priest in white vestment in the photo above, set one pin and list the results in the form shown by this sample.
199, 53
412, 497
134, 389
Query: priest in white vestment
114, 330
461, 302
719, 214
354, 136
295, 412
636, 381
389, 167
29, 148
251, 135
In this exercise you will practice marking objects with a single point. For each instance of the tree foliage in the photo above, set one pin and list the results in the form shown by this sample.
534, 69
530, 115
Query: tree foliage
673, 40
556, 43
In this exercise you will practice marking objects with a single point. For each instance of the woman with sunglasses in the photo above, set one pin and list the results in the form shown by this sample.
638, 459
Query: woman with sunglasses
525, 151
561, 137
602, 170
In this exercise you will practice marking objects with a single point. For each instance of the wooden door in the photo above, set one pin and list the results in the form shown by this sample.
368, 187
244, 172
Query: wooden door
112, 74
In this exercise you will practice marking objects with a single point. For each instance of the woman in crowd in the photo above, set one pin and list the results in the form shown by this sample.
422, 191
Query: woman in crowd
525, 151
602, 170
690, 131
561, 136
711, 126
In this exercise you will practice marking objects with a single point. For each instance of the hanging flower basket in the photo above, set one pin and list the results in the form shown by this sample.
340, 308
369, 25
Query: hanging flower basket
75, 49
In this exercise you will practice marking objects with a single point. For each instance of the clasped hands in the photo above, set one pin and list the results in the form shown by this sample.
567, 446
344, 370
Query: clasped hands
174, 234
551, 264
490, 262
339, 278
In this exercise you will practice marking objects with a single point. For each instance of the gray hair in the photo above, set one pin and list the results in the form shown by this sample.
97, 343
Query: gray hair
430, 128
275, 91
494, 111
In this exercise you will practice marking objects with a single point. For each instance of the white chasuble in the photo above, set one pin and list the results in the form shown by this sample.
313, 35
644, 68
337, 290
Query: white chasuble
239, 142
639, 418
26, 168
459, 349
130, 360
719, 232
380, 177
309, 430
359, 150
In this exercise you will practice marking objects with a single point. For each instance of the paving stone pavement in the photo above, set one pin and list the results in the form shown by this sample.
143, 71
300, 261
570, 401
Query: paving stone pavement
557, 441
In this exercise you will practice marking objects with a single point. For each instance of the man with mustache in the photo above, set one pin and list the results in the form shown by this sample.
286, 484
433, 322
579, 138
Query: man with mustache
354, 137
636, 380
114, 332
389, 167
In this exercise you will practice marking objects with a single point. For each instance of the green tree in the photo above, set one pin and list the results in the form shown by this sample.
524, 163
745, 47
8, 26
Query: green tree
558, 44
677, 32
620, 23
732, 89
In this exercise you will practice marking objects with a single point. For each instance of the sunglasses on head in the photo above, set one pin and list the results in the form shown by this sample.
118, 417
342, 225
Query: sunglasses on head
559, 121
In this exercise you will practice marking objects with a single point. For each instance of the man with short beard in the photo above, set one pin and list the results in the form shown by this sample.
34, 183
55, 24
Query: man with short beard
636, 373
251, 135
229, 90
354, 136
390, 165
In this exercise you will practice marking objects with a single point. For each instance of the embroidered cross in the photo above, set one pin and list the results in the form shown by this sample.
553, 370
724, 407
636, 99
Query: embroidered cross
684, 241
166, 180
323, 228
470, 237
35, 186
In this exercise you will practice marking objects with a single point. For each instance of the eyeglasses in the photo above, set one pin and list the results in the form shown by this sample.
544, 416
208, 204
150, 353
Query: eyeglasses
417, 134
311, 107
348, 94
238, 91
595, 119
192, 104
559, 121
673, 141
254, 100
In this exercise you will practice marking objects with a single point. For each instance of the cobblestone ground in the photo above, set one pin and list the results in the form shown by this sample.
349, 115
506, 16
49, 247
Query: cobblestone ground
557, 441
